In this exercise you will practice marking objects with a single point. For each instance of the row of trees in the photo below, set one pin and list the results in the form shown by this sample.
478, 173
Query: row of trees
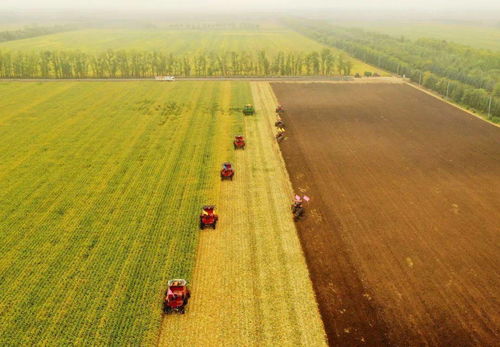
463, 74
140, 64
27, 32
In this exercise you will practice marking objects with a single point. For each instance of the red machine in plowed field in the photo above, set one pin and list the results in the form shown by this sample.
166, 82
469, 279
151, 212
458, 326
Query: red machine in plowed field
280, 109
176, 296
239, 142
227, 172
208, 217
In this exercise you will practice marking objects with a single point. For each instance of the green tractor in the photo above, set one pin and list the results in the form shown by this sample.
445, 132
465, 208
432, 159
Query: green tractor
248, 110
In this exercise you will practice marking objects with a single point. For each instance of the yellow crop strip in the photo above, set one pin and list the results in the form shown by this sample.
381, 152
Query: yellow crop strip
250, 283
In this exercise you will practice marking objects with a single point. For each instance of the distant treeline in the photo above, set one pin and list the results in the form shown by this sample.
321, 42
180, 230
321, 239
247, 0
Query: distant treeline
34, 31
215, 26
466, 75
140, 64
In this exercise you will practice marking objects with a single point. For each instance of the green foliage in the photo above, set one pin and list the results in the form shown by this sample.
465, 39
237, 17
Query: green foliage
139, 64
467, 76
477, 36
34, 31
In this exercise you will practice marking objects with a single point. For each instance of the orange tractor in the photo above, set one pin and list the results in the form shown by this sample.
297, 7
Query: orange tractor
280, 109
227, 172
176, 297
239, 142
208, 218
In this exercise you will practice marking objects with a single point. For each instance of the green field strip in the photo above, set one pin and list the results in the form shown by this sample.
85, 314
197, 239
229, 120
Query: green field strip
94, 238
64, 248
170, 41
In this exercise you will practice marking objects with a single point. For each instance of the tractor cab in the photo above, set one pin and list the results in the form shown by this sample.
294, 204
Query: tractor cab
208, 217
248, 110
176, 296
280, 109
227, 172
239, 142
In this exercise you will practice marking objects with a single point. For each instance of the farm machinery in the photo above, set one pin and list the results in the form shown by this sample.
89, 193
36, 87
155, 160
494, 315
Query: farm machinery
298, 209
280, 135
176, 297
279, 123
280, 109
248, 110
239, 142
208, 218
227, 172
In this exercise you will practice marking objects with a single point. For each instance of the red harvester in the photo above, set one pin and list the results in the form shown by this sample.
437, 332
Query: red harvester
227, 172
239, 142
176, 297
208, 218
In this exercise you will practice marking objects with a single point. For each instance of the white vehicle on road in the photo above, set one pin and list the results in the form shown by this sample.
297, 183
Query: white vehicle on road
165, 78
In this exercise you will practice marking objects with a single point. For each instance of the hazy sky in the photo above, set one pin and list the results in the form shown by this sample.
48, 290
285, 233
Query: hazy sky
227, 5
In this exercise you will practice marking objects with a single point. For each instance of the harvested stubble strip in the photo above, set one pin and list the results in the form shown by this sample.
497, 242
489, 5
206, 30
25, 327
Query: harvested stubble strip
250, 284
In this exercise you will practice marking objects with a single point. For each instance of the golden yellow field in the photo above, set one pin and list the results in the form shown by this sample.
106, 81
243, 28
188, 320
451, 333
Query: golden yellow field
250, 280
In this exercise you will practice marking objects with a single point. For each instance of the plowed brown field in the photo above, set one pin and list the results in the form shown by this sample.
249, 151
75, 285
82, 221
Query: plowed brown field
403, 230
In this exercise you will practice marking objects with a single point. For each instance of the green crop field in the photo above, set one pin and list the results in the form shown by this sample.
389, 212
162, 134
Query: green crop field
181, 43
487, 37
171, 41
101, 185
100, 189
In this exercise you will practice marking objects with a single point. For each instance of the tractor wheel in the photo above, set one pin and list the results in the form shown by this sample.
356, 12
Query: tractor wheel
167, 310
202, 226
214, 225
231, 178
182, 310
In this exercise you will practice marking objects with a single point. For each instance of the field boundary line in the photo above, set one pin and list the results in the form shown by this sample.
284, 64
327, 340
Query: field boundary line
440, 97
306, 79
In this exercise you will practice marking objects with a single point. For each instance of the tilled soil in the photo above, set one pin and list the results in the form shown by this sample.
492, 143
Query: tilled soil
403, 230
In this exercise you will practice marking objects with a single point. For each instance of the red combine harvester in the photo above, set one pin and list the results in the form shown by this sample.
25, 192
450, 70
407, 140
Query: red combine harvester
280, 109
227, 172
239, 142
208, 218
176, 297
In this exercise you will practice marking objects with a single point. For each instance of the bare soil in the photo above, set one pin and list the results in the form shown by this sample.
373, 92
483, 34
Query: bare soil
402, 233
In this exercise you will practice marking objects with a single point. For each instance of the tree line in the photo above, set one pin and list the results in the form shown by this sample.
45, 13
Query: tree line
34, 31
463, 74
144, 64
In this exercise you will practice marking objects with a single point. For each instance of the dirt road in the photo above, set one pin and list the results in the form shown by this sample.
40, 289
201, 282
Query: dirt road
403, 231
